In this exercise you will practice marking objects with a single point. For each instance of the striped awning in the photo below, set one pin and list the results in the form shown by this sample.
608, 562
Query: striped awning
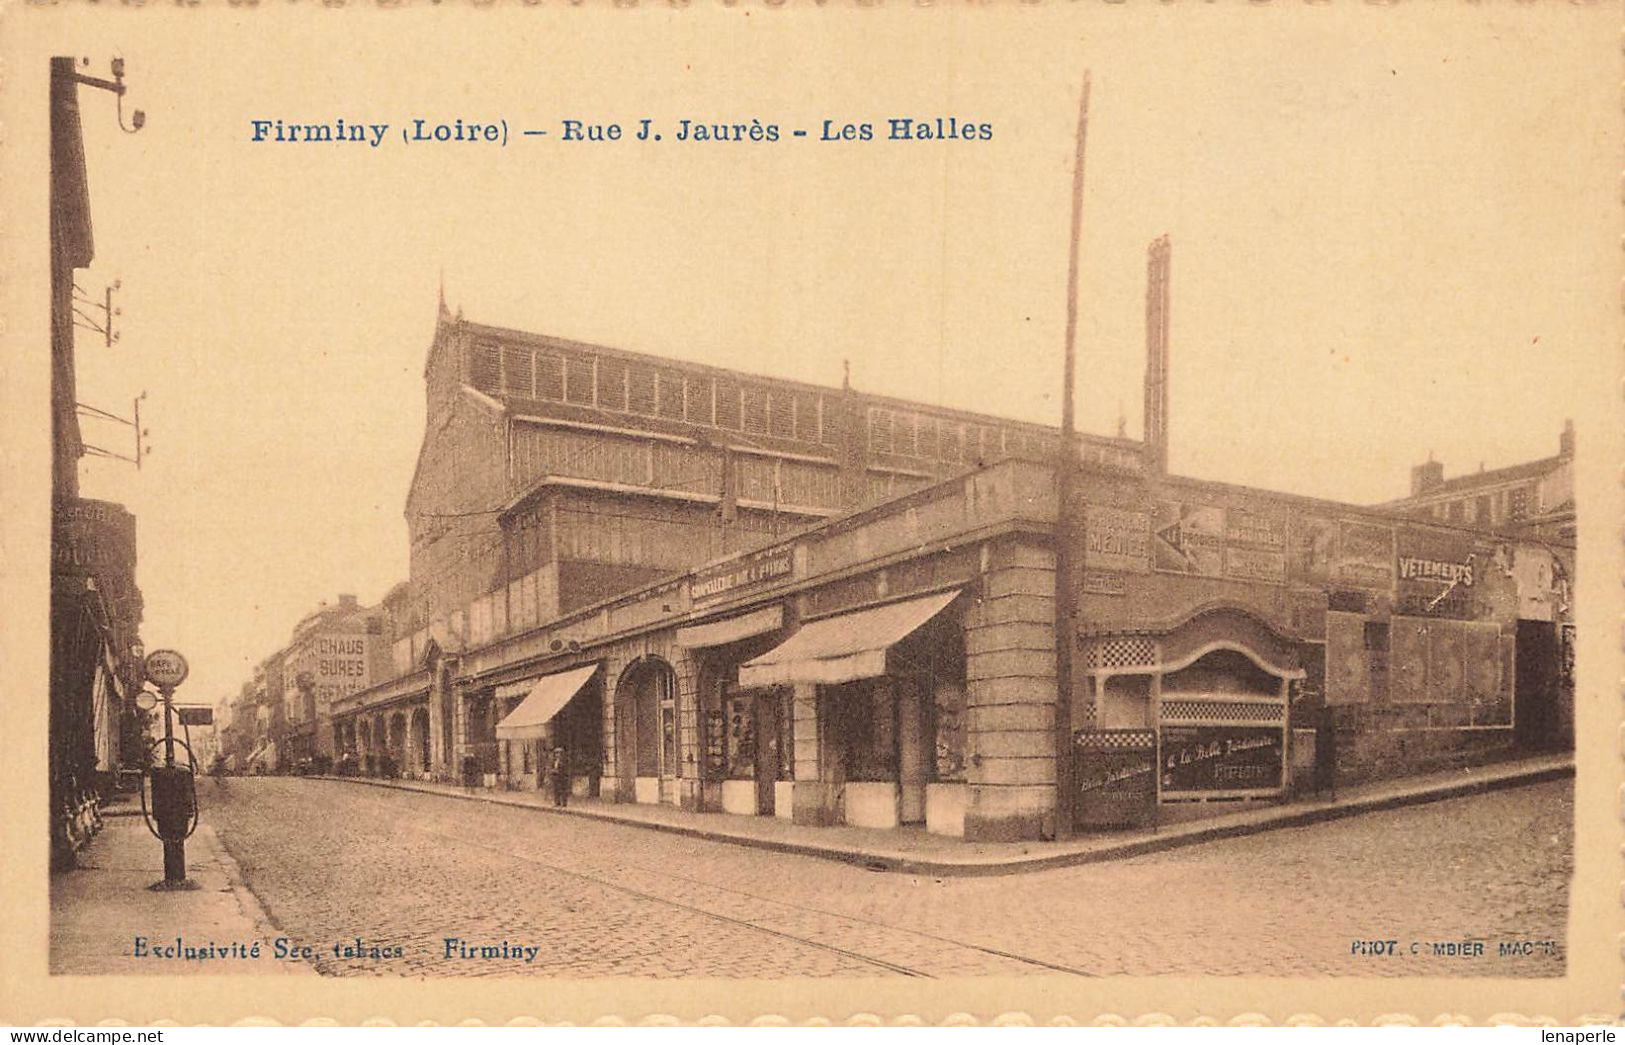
843, 648
547, 698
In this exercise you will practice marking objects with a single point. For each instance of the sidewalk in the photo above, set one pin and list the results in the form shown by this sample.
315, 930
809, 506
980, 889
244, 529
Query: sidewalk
914, 851
99, 909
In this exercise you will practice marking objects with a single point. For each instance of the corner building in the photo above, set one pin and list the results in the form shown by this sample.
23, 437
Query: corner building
743, 595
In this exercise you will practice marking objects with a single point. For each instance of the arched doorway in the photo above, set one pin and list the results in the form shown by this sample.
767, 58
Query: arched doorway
646, 755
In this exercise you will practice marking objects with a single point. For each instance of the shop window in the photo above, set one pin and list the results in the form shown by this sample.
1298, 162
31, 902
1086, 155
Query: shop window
668, 737
741, 728
863, 718
714, 743
787, 733
948, 719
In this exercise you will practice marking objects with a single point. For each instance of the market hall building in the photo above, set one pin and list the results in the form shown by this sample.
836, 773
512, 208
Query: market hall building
735, 594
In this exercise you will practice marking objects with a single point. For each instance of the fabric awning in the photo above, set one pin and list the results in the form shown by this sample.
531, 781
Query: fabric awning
547, 698
841, 649
721, 632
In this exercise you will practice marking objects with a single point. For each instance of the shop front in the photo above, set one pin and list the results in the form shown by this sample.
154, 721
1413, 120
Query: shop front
746, 761
1183, 716
95, 730
542, 715
645, 718
865, 692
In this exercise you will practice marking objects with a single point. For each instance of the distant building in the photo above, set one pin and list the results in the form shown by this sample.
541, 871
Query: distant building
1533, 499
335, 651
267, 699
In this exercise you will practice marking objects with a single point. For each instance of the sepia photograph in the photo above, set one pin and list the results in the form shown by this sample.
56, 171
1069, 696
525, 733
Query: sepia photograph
574, 512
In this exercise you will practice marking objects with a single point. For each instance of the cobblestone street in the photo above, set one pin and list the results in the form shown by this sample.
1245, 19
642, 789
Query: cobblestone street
333, 862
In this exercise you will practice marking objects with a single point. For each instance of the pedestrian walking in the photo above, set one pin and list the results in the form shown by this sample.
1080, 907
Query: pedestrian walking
559, 766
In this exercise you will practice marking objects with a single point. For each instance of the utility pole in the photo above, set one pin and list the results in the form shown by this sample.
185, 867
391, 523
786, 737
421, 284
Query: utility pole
1065, 530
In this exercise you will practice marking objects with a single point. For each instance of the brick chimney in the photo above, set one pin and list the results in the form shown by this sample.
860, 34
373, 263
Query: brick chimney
1425, 477
347, 602
1565, 442
1156, 354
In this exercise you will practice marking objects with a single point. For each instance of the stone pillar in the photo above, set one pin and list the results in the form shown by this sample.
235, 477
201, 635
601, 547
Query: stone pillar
609, 787
410, 754
380, 742
1010, 697
459, 730
437, 767
815, 796
689, 755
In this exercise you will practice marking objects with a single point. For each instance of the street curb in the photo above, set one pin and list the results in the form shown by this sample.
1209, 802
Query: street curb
889, 861
249, 903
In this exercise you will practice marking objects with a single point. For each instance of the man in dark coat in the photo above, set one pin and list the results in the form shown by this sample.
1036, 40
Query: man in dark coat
559, 766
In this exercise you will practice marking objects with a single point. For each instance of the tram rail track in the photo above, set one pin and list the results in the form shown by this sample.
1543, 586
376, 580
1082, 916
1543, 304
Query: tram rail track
608, 882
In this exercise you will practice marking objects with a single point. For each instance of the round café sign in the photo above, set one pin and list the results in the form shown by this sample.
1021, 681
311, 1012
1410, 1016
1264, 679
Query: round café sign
166, 668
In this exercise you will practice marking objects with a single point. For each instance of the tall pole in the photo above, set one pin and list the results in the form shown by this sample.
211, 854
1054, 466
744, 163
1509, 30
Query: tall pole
1157, 265
1065, 531
174, 848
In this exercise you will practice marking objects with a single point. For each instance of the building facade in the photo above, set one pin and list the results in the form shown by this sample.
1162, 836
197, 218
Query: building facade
820, 606
95, 729
335, 651
1534, 499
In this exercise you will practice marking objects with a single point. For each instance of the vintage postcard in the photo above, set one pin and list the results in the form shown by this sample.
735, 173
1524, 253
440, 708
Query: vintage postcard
1057, 511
